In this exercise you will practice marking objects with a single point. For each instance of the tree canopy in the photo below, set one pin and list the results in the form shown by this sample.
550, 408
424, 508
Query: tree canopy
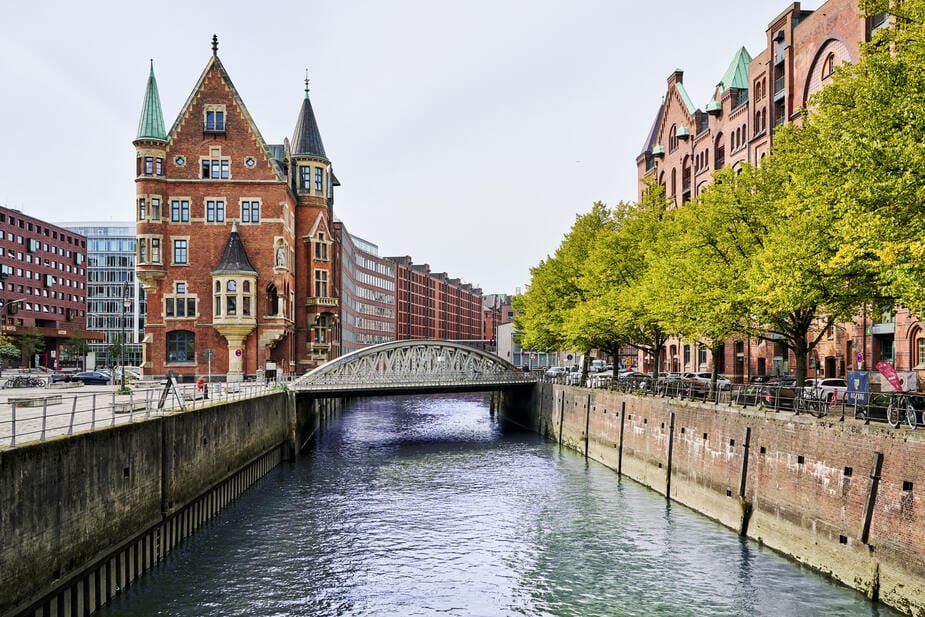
831, 220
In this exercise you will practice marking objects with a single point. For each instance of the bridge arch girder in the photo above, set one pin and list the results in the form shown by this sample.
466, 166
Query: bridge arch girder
413, 363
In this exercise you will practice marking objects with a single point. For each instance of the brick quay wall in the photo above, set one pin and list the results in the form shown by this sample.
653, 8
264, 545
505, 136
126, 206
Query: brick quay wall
839, 496
83, 516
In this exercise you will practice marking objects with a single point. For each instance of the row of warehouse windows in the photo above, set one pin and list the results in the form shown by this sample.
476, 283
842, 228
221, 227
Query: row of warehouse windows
48, 233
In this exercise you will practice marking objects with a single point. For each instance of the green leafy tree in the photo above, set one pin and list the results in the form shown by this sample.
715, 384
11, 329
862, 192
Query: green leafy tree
859, 155
30, 343
115, 349
699, 260
78, 345
549, 312
10, 354
623, 302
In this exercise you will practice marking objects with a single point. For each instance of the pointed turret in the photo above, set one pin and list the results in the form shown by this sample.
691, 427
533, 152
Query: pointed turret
234, 258
151, 123
306, 140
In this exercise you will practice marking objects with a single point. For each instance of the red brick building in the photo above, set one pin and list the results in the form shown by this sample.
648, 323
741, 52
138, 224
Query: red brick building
225, 222
435, 306
245, 267
687, 143
43, 281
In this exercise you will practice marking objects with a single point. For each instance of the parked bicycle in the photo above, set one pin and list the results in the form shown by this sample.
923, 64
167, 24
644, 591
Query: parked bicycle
815, 402
24, 381
900, 409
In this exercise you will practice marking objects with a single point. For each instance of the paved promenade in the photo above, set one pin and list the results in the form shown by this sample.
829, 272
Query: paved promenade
36, 414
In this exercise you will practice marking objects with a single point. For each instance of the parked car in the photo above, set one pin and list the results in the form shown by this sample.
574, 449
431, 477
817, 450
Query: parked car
554, 371
722, 382
596, 366
827, 387
62, 376
600, 380
92, 377
767, 395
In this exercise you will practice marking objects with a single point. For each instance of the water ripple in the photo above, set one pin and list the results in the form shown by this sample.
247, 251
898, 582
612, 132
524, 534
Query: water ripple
428, 506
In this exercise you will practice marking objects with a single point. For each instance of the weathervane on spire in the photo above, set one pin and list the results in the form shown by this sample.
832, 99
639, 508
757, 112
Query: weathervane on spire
306, 82
214, 44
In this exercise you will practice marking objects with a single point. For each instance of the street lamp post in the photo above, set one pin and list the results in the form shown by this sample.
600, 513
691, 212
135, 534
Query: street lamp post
126, 302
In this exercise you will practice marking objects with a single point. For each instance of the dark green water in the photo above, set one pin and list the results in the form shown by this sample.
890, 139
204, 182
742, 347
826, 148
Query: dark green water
427, 506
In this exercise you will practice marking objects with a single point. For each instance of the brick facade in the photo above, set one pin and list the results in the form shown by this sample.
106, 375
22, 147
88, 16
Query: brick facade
687, 143
210, 174
43, 281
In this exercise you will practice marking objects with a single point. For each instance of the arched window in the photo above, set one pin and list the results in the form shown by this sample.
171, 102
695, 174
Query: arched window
719, 151
828, 66
181, 346
231, 285
272, 300
674, 183
672, 138
917, 348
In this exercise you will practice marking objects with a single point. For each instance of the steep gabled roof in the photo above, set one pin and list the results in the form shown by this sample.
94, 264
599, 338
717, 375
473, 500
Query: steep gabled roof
151, 123
306, 140
234, 257
682, 91
653, 132
736, 76
215, 64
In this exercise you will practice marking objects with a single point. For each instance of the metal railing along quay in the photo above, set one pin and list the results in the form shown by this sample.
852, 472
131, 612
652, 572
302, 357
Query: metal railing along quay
895, 408
39, 413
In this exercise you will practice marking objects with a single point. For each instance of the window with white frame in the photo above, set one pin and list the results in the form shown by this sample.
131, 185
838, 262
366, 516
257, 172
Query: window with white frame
321, 283
179, 211
250, 211
215, 211
214, 120
180, 251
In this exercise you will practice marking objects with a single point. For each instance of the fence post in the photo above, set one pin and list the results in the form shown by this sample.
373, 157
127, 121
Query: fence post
93, 413
44, 418
13, 436
70, 428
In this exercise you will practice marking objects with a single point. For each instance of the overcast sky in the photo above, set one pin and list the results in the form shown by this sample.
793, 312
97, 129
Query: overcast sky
465, 134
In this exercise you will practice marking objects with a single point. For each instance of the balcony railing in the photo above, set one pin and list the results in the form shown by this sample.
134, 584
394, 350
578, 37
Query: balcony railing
321, 301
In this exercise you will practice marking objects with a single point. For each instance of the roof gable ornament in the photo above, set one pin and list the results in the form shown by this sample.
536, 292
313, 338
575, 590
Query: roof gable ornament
214, 44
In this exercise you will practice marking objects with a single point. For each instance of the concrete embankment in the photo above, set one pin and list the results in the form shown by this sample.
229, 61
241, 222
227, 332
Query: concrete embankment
81, 517
839, 496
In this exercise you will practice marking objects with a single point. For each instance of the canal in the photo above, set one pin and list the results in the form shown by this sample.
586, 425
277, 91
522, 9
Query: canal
429, 506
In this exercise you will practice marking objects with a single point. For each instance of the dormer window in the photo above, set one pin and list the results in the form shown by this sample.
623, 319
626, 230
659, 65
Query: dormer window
214, 119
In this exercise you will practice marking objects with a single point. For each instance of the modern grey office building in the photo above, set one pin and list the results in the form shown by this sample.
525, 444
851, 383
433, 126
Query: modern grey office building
115, 301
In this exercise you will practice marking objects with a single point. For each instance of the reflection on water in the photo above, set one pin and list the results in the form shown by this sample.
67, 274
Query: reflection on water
428, 506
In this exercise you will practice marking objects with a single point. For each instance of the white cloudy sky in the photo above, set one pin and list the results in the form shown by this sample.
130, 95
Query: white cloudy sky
465, 134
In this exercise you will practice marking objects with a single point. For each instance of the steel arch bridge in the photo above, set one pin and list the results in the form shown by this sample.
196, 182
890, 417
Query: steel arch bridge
413, 366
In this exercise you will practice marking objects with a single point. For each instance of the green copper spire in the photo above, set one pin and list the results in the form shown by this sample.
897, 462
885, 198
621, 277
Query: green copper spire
151, 124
